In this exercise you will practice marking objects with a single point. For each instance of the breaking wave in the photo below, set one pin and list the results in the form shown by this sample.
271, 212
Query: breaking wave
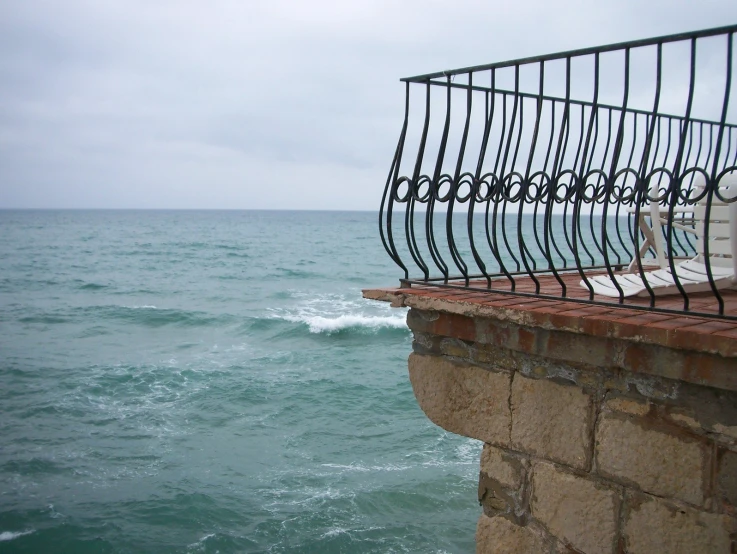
10, 535
329, 325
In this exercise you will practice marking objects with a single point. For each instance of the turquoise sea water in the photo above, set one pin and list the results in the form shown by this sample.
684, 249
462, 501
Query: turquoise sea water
196, 381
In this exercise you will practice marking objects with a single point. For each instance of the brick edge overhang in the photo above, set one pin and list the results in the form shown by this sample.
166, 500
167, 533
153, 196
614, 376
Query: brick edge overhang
698, 350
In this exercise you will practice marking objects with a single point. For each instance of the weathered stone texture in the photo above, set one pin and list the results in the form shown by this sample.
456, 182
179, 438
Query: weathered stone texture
502, 484
626, 406
657, 462
727, 480
686, 421
726, 430
455, 347
501, 467
653, 525
496, 535
593, 444
552, 421
463, 399
579, 512
725, 435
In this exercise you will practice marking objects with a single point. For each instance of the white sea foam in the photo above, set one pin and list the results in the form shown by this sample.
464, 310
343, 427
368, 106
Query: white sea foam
366, 469
200, 544
144, 307
10, 535
334, 532
203, 539
307, 497
468, 451
322, 324
330, 313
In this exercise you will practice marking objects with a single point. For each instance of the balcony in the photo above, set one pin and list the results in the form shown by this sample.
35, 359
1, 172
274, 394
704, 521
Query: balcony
566, 226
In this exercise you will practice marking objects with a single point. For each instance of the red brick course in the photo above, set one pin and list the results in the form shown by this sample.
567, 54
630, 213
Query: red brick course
696, 349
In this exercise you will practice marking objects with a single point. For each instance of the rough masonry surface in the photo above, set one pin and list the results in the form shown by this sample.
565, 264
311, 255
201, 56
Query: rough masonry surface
579, 455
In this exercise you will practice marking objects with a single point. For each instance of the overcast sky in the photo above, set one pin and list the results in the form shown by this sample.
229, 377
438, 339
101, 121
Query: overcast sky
254, 104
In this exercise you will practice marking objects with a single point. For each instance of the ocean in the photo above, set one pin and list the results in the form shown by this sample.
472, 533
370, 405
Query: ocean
212, 381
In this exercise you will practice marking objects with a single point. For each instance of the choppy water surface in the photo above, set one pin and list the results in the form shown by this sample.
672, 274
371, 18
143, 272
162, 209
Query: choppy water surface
213, 382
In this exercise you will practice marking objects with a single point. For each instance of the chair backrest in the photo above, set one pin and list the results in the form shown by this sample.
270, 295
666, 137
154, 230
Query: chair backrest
722, 224
733, 231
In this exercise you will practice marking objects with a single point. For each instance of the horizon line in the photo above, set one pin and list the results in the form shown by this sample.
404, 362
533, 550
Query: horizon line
190, 209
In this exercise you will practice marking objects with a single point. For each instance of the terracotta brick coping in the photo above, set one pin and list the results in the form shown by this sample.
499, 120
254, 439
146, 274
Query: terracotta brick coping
686, 332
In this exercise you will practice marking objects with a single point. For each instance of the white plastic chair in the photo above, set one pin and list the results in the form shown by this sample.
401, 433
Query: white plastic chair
692, 274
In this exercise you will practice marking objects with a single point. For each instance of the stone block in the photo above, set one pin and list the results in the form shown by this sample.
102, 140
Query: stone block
496, 535
579, 512
574, 348
725, 434
727, 480
462, 398
552, 421
686, 421
657, 462
502, 467
654, 525
500, 358
502, 487
495, 500
626, 406
455, 347
728, 430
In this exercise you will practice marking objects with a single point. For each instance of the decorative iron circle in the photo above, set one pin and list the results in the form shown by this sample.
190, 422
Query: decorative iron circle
657, 191
465, 180
542, 189
727, 182
402, 198
419, 195
444, 180
491, 182
621, 191
513, 187
592, 193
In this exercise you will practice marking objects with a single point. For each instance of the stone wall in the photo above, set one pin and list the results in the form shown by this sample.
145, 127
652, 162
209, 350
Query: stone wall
587, 446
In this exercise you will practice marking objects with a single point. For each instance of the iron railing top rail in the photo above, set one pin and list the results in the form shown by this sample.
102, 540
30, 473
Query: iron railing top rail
573, 102
576, 53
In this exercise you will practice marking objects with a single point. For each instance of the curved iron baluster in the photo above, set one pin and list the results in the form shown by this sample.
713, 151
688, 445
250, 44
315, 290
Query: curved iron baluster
609, 183
715, 166
388, 240
435, 193
489, 113
643, 182
584, 171
417, 181
528, 177
676, 183
455, 186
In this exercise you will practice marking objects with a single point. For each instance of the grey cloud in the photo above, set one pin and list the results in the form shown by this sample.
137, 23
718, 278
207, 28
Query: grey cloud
253, 104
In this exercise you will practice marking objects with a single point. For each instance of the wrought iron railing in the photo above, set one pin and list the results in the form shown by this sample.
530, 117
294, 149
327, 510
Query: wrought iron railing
562, 175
